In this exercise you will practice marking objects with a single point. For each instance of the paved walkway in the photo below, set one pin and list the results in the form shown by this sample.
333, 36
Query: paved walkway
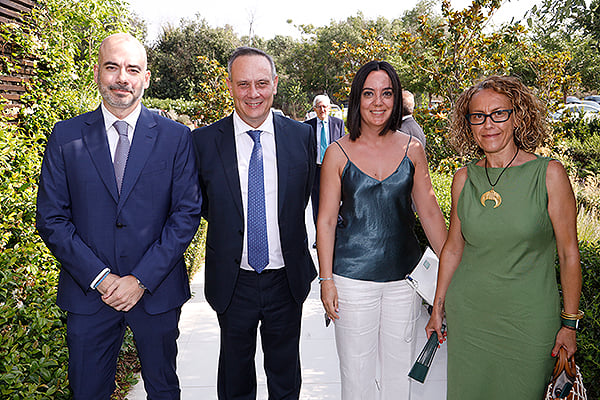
199, 348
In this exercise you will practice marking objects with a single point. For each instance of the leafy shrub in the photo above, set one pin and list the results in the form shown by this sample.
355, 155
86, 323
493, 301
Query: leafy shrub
585, 154
441, 183
435, 126
577, 139
588, 354
194, 256
179, 106
588, 225
32, 333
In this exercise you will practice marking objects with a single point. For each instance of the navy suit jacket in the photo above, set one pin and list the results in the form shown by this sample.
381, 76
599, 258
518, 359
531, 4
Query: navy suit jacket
143, 232
336, 128
222, 205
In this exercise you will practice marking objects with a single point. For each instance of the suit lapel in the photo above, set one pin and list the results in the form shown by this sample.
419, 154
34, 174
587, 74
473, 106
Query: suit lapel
225, 143
144, 139
284, 153
94, 137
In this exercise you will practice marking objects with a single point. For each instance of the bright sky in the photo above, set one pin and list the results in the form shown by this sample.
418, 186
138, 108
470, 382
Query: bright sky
271, 16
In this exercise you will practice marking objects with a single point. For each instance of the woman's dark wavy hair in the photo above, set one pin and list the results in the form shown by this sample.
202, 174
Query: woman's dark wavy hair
354, 120
529, 113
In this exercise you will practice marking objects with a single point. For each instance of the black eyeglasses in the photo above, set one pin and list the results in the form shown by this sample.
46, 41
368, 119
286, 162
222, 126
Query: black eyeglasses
496, 116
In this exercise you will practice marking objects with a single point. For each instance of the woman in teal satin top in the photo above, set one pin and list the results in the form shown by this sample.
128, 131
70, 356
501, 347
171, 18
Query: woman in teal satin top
376, 173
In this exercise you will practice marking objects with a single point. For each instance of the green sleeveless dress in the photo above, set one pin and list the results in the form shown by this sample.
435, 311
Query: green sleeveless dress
502, 305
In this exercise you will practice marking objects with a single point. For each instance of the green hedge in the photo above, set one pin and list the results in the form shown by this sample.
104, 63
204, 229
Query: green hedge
32, 334
588, 354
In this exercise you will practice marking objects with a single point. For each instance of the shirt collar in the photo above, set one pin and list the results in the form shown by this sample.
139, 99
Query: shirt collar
240, 127
131, 119
406, 117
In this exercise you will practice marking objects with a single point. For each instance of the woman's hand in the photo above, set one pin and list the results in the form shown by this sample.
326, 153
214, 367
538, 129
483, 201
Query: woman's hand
435, 325
329, 298
566, 338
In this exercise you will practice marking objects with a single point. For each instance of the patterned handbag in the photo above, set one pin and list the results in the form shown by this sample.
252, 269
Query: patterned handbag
566, 380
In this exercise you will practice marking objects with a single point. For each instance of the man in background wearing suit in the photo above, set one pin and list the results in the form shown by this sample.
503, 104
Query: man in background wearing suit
409, 125
256, 170
118, 204
327, 129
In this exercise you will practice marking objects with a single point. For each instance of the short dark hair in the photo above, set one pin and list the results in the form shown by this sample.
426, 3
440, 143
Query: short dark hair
354, 119
250, 51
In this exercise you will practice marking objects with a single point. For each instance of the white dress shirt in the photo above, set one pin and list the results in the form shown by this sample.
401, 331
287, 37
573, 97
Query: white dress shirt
111, 132
244, 145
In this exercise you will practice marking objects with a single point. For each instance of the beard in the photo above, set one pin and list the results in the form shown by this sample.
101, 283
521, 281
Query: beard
118, 100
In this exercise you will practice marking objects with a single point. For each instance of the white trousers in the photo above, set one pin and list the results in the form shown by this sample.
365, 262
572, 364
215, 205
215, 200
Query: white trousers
375, 338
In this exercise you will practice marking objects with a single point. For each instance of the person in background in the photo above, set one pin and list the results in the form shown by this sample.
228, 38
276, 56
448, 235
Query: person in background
409, 125
327, 129
256, 171
374, 172
118, 204
512, 211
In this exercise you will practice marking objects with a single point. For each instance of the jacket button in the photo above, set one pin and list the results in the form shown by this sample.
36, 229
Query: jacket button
120, 225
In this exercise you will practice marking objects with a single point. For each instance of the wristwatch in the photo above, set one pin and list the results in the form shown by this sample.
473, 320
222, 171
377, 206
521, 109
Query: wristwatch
572, 324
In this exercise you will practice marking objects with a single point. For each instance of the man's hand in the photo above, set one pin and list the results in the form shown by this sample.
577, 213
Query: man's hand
106, 283
122, 293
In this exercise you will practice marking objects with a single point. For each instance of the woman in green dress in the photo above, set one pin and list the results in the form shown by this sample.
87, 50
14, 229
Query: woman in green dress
512, 211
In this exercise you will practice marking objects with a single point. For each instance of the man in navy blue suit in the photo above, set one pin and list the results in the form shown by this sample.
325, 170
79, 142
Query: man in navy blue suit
117, 205
327, 129
256, 171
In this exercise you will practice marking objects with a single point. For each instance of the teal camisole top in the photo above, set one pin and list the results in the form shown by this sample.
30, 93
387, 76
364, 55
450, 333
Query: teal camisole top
375, 238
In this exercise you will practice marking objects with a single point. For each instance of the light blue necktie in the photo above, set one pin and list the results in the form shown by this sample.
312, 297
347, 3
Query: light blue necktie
323, 141
258, 244
121, 153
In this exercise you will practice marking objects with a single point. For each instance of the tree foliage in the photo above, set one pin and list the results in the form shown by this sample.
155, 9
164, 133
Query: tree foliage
213, 99
571, 27
173, 59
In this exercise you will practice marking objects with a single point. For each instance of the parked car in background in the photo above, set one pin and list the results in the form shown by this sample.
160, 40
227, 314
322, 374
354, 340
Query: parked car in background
590, 103
594, 98
587, 111
572, 99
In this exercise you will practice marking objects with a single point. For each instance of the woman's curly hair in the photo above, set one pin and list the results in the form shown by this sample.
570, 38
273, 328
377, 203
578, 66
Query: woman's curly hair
529, 112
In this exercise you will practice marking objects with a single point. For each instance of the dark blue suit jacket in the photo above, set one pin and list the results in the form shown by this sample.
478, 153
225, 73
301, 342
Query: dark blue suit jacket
143, 232
222, 205
336, 128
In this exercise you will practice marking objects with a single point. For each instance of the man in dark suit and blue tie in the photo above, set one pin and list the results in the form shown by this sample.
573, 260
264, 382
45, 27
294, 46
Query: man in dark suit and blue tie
327, 129
256, 171
118, 204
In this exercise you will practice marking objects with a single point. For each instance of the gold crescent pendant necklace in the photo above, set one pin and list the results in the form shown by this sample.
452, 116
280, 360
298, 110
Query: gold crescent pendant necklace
492, 194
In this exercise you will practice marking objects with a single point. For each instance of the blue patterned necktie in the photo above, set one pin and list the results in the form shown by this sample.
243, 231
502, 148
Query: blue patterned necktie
121, 153
258, 245
323, 141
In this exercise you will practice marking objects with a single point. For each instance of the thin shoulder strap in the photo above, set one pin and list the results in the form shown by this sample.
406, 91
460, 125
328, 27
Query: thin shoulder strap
341, 148
408, 144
